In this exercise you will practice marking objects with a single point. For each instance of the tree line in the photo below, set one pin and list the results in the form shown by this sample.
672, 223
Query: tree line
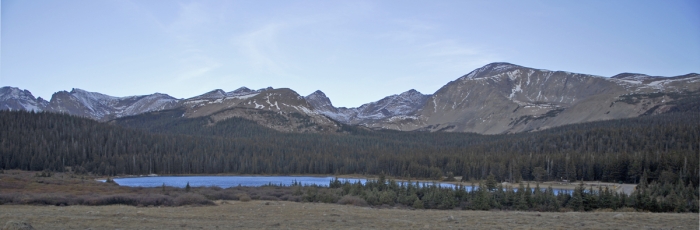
654, 197
665, 147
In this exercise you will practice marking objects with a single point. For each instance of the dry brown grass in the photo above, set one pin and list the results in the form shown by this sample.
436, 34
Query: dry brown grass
63, 202
244, 197
352, 200
295, 215
62, 189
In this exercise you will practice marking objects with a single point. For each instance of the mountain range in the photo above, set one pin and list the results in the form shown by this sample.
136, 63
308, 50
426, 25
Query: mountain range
496, 98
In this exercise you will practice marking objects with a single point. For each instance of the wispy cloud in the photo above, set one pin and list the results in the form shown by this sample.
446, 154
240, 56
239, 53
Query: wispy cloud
434, 48
260, 48
191, 17
447, 48
195, 64
460, 56
408, 31
191, 29
138, 12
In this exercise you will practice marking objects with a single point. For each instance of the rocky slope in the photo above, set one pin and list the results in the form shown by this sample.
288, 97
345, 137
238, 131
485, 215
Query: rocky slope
279, 109
403, 104
12, 98
86, 104
103, 107
496, 98
507, 98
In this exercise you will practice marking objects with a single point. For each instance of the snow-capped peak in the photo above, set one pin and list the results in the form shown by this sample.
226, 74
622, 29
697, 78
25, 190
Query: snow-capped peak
490, 69
13, 92
411, 94
241, 91
12, 98
317, 94
320, 102
633, 76
91, 96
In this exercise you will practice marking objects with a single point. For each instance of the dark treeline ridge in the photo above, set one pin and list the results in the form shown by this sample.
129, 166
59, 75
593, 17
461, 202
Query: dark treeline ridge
665, 147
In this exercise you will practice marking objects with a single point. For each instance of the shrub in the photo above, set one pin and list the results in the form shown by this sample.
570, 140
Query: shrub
244, 197
418, 204
626, 209
10, 198
46, 199
278, 193
387, 197
566, 210
215, 193
266, 197
125, 199
155, 200
192, 199
325, 196
290, 197
352, 200
603, 210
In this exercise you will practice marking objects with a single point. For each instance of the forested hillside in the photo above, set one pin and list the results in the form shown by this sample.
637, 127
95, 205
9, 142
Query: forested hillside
664, 146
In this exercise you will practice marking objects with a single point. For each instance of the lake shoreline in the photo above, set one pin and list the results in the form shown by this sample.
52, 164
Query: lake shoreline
626, 188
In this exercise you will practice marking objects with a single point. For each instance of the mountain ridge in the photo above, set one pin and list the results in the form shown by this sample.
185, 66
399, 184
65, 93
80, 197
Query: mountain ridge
496, 98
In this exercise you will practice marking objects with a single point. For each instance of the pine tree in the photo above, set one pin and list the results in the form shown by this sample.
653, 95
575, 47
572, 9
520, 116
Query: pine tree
418, 204
491, 182
528, 195
576, 201
481, 200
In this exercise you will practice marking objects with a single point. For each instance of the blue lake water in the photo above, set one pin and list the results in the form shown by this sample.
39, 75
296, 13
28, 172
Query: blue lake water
253, 181
227, 181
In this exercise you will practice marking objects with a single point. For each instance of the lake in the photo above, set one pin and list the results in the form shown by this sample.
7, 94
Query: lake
227, 181
233, 181
250, 181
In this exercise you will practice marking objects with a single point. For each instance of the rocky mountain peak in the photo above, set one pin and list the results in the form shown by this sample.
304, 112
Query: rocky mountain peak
489, 70
411, 94
84, 103
92, 95
320, 102
77, 90
214, 94
14, 92
12, 98
317, 93
496, 98
634, 76
241, 91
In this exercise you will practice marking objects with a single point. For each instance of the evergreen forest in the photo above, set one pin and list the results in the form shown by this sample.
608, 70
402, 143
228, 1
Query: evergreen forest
660, 152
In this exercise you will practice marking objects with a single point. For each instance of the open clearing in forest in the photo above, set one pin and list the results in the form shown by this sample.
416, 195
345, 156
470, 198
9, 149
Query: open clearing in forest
295, 215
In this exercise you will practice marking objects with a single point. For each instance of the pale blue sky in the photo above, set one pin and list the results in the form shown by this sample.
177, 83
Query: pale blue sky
354, 51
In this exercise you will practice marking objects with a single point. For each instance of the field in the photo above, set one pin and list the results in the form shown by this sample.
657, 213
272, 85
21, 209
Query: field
67, 201
296, 215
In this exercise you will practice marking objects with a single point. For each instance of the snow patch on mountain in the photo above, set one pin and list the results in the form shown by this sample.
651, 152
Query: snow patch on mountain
490, 69
12, 98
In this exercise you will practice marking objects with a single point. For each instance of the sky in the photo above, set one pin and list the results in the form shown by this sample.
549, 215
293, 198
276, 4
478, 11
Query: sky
354, 51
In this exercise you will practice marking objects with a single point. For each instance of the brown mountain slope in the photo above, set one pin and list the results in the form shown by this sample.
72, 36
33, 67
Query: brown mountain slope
506, 98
